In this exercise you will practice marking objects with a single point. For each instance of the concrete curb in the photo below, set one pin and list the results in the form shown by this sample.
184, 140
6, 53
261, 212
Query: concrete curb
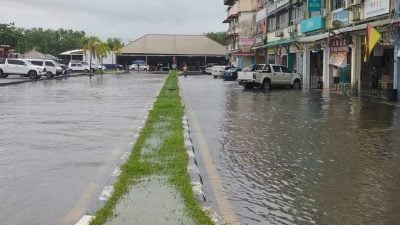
194, 172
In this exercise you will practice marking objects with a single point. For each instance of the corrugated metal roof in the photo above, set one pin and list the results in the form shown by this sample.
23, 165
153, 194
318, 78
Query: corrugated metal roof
168, 44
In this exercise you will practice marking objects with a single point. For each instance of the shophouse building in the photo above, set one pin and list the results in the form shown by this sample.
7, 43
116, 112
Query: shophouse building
316, 37
241, 17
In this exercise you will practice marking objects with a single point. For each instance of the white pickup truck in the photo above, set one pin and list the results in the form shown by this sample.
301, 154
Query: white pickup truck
13, 66
276, 75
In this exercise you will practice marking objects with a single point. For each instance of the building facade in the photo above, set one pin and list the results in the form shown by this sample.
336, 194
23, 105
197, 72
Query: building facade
318, 37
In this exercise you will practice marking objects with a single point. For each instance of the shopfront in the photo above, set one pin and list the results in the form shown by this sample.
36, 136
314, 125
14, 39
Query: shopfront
382, 57
340, 58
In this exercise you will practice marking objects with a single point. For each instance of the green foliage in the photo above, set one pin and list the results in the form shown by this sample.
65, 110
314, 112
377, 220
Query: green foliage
220, 37
46, 41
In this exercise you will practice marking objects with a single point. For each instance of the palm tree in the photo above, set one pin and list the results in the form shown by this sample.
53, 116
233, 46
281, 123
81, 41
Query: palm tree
91, 44
101, 51
115, 45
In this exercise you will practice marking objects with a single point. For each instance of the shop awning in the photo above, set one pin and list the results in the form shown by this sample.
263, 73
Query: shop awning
275, 43
338, 59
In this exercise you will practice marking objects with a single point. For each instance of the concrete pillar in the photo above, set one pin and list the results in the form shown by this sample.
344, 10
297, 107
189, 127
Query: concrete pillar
306, 67
396, 69
356, 62
325, 68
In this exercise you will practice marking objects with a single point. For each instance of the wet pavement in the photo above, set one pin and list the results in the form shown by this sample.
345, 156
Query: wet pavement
299, 157
61, 140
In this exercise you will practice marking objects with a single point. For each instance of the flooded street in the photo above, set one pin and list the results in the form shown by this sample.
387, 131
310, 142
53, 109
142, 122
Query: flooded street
61, 141
299, 157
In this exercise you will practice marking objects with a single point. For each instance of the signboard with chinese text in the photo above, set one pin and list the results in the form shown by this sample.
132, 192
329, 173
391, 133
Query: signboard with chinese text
313, 5
376, 7
246, 41
341, 15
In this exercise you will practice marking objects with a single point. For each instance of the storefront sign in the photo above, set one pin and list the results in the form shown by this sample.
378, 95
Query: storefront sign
259, 40
376, 7
314, 23
341, 15
314, 5
246, 41
339, 45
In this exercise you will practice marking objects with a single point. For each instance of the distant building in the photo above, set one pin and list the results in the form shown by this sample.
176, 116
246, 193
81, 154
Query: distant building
159, 50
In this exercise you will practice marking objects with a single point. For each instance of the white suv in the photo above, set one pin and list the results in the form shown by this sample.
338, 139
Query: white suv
139, 67
276, 75
218, 71
52, 67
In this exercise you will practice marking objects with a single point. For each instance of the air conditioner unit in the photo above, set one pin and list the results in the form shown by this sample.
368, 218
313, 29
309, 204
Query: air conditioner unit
278, 33
356, 2
292, 29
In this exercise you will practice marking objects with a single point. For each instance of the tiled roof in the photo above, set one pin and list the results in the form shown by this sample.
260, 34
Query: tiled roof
168, 44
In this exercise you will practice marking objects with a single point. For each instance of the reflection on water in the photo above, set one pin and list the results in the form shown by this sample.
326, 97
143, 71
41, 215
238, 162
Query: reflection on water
290, 157
61, 139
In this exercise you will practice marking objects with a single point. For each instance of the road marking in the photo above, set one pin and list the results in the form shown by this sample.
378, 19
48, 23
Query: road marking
85, 220
224, 205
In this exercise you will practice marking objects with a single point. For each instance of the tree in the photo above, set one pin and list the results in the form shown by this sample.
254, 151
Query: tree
115, 45
220, 37
91, 44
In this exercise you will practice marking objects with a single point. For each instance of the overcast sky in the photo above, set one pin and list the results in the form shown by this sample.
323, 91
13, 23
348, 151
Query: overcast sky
126, 19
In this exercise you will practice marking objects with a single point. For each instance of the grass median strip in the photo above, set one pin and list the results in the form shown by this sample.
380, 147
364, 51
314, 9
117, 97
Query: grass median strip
158, 154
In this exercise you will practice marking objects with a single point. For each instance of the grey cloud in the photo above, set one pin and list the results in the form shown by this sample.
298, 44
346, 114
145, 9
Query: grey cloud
119, 18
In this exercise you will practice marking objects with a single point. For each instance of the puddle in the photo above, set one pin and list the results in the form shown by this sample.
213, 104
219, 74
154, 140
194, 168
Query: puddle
152, 201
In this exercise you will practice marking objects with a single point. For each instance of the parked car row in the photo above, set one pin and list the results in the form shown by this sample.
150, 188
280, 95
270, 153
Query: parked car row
139, 67
22, 67
260, 75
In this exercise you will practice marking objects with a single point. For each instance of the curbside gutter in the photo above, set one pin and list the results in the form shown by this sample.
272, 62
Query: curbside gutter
194, 172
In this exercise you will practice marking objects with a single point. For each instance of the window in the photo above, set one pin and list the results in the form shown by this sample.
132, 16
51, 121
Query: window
258, 67
283, 20
284, 69
337, 4
73, 64
271, 24
37, 63
267, 69
13, 62
277, 68
297, 14
48, 63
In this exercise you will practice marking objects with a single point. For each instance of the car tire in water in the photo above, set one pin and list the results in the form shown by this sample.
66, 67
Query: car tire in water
266, 85
86, 71
32, 74
296, 85
49, 75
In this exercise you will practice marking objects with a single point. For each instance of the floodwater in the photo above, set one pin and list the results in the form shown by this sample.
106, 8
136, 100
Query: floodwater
61, 140
300, 157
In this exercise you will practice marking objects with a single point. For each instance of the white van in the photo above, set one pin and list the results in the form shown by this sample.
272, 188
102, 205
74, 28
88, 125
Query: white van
52, 67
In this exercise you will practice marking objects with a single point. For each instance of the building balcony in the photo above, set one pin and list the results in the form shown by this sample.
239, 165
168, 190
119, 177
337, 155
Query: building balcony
276, 6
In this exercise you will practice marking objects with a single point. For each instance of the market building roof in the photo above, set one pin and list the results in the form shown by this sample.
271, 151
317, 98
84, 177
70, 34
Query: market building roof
168, 44
38, 55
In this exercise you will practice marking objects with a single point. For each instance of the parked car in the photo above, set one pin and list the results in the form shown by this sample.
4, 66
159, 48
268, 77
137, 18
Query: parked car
139, 67
52, 67
208, 68
113, 66
218, 71
22, 67
277, 75
231, 74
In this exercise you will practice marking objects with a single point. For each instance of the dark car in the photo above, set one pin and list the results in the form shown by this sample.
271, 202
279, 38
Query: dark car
113, 66
231, 74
